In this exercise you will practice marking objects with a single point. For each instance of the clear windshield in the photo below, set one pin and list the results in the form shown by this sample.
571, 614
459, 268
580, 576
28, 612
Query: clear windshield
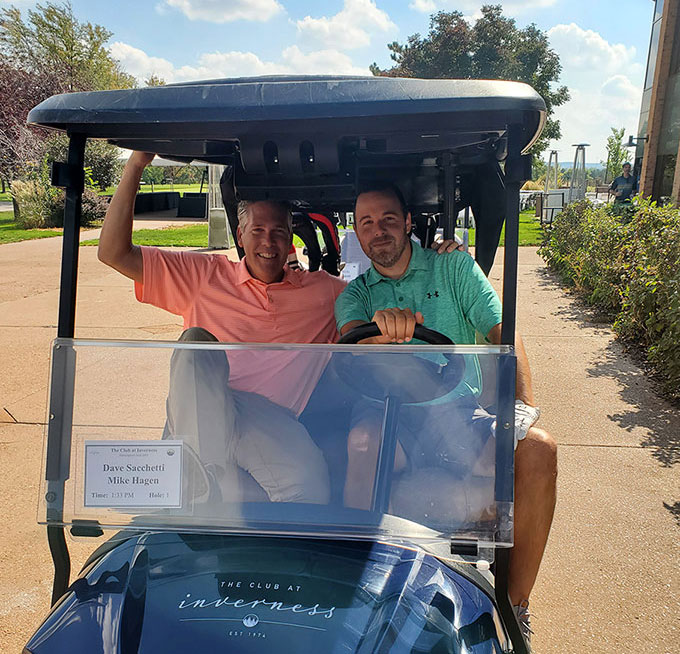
387, 443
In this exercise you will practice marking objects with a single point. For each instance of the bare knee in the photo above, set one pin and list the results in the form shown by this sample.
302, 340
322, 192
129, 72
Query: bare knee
538, 452
362, 440
196, 334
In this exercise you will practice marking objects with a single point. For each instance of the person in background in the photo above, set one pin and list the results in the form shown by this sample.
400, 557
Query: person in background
624, 186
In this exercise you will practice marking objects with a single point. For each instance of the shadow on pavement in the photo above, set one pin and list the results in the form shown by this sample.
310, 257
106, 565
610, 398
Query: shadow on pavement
648, 409
674, 511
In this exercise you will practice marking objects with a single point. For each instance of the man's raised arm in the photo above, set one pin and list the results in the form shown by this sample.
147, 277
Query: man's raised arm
115, 243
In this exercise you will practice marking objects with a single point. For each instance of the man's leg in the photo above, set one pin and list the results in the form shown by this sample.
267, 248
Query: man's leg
363, 446
535, 492
200, 406
278, 452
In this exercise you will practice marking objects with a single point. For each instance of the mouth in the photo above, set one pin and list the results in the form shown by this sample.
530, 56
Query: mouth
266, 255
379, 242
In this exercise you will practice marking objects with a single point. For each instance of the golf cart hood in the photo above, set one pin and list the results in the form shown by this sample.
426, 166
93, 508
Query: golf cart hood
173, 593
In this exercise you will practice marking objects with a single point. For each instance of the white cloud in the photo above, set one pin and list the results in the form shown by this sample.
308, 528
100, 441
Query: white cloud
425, 6
136, 62
472, 7
605, 83
320, 62
352, 27
235, 64
225, 11
587, 50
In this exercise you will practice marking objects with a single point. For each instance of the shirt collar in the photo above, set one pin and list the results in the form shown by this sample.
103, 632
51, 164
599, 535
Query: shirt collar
290, 276
416, 262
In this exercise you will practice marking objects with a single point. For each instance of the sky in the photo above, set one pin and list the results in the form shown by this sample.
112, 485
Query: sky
602, 45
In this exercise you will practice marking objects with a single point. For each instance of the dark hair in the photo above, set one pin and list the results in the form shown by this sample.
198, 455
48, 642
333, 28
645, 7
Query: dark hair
382, 186
627, 163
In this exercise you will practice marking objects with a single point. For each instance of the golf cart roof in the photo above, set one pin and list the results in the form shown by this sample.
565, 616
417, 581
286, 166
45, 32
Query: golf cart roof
205, 120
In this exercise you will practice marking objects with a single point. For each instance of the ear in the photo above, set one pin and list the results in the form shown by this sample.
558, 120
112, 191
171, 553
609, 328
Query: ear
408, 223
239, 236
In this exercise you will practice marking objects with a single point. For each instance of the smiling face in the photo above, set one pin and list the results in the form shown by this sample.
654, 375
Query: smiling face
266, 236
383, 229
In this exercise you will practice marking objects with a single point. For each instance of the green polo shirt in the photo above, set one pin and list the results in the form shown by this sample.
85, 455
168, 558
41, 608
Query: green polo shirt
450, 290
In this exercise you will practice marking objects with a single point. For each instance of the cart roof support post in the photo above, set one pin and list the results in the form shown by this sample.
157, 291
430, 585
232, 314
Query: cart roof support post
71, 177
517, 170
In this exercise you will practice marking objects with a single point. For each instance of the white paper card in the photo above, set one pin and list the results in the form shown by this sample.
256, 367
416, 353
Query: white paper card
121, 474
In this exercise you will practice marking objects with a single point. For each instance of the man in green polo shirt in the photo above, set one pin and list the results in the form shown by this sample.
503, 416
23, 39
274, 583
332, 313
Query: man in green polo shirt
408, 285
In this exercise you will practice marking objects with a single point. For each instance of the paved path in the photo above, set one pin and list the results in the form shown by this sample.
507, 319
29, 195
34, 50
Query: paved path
610, 581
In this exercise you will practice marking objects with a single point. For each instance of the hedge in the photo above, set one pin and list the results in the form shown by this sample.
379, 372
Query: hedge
626, 261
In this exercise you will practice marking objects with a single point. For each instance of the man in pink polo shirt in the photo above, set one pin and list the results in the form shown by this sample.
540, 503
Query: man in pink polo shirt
225, 409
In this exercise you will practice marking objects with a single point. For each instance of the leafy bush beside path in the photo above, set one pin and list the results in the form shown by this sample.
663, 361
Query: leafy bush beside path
626, 262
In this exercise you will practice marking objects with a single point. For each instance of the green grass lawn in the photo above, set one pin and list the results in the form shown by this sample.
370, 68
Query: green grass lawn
530, 232
5, 197
190, 236
146, 188
10, 233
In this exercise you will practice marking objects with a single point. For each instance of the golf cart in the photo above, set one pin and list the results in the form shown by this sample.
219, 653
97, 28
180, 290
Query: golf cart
424, 568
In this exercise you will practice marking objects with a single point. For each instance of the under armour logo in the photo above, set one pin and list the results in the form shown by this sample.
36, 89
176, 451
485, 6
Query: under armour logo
431, 295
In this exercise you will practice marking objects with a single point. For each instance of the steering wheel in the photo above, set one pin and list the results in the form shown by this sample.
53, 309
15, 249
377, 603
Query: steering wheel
408, 378
371, 329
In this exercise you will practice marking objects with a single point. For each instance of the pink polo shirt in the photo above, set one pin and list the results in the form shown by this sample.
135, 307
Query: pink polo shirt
210, 291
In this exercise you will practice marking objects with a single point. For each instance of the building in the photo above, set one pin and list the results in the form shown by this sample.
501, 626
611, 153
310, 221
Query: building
658, 146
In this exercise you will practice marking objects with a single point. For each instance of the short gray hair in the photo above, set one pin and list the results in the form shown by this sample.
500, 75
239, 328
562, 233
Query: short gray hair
244, 211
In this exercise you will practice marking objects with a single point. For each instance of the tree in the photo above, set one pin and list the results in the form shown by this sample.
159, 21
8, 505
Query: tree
153, 175
493, 48
53, 39
617, 153
539, 169
51, 52
101, 158
154, 80
20, 146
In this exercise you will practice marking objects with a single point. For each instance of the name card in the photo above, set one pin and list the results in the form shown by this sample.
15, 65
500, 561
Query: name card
133, 474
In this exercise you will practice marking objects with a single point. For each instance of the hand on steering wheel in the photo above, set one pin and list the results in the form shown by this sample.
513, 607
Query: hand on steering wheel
396, 325
404, 376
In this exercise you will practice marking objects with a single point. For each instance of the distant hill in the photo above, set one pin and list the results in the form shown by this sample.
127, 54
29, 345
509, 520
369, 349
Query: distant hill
569, 164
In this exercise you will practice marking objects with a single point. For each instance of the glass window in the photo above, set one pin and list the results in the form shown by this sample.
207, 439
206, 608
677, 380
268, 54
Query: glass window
658, 9
653, 50
670, 126
663, 180
675, 58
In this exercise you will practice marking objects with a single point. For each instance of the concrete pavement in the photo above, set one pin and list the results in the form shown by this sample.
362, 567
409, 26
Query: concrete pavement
610, 580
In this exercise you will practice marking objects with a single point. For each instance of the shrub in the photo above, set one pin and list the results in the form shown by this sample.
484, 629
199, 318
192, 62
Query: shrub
40, 205
31, 202
627, 262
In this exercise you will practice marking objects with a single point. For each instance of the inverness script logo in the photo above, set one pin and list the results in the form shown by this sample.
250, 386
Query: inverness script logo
203, 603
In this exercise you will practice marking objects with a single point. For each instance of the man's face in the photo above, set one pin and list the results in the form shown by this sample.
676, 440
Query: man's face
626, 169
381, 227
266, 238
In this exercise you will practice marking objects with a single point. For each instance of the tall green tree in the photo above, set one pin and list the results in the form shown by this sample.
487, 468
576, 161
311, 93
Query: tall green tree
491, 48
53, 39
617, 153
48, 52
